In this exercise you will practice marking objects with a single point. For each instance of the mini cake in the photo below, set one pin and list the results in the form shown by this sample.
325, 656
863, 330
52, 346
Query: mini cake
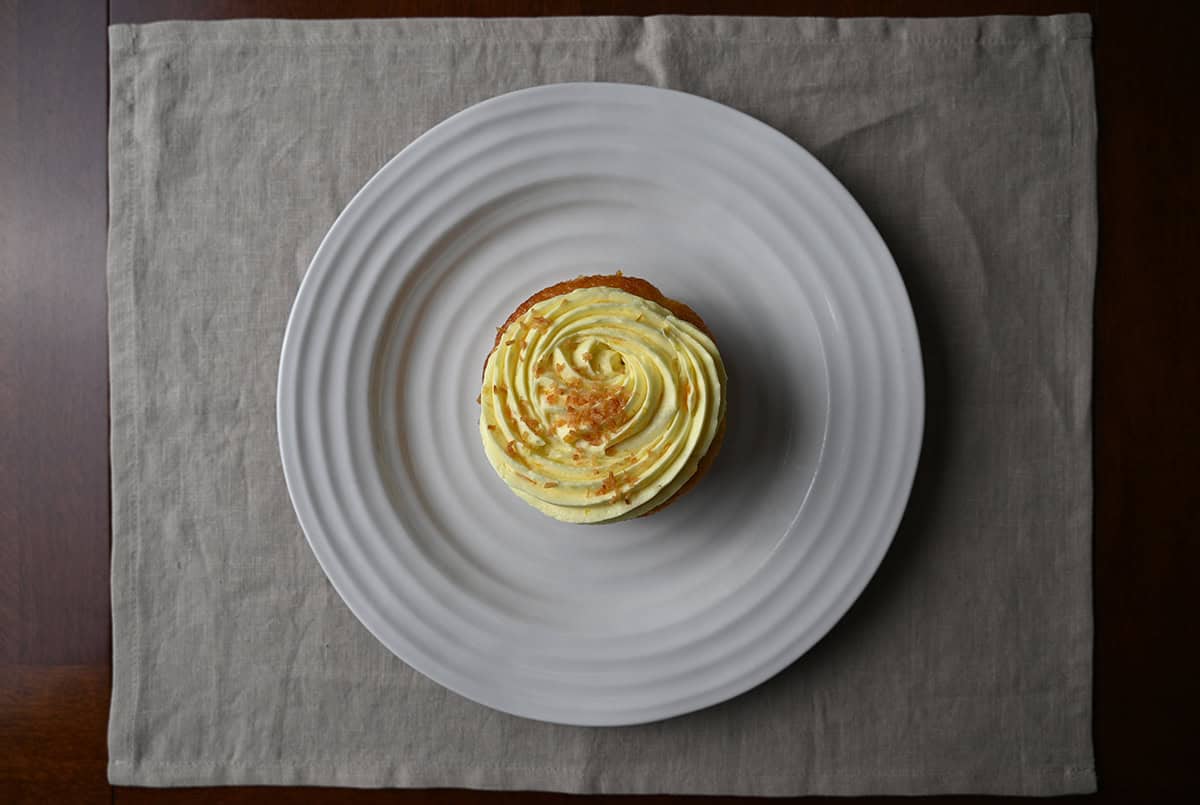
602, 400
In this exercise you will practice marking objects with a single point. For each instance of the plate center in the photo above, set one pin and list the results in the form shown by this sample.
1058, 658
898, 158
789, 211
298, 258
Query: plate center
531, 572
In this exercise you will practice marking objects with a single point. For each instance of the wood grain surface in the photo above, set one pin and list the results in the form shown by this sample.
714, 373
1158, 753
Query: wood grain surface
54, 484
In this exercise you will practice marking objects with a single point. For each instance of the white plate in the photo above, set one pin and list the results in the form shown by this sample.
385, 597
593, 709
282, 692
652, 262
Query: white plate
610, 624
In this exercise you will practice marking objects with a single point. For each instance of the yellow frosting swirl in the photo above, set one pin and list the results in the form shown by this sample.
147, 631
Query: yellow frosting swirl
597, 405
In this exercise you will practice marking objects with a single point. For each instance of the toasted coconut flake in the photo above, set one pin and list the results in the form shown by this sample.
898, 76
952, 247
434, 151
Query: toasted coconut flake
595, 410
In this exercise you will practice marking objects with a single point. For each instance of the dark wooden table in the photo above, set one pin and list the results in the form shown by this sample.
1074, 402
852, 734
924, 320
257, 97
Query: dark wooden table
54, 471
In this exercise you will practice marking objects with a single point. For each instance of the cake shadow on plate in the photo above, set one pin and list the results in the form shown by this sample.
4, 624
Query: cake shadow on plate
909, 548
762, 420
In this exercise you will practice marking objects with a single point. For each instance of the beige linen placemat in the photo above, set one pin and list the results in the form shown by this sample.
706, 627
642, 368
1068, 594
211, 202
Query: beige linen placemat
965, 667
